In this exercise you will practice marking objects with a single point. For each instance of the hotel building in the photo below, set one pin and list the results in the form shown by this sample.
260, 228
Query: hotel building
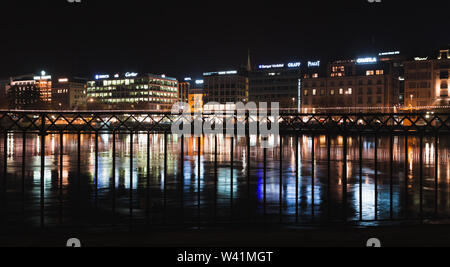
427, 81
354, 85
148, 92
69, 94
30, 91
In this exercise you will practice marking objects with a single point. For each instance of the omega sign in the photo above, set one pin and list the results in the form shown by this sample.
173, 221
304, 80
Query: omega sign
367, 60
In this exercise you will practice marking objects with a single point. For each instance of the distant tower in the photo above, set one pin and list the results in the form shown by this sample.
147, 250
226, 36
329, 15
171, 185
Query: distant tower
249, 62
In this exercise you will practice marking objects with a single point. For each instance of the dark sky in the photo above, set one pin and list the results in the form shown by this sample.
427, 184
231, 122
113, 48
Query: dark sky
181, 38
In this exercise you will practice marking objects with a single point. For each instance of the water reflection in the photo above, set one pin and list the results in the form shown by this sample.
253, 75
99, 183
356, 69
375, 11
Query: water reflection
242, 191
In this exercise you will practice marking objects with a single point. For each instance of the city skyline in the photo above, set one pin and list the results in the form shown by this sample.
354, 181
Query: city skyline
387, 80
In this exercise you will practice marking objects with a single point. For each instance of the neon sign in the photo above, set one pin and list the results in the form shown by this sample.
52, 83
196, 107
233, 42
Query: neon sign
98, 77
274, 66
294, 65
389, 53
313, 64
38, 78
131, 74
231, 72
367, 60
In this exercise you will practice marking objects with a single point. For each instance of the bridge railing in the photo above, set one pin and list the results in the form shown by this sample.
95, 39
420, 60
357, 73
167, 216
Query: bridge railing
132, 121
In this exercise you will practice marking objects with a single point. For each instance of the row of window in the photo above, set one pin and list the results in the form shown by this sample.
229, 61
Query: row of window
133, 88
228, 93
360, 101
414, 85
224, 100
273, 88
137, 100
133, 81
140, 94
341, 91
374, 72
342, 83
224, 86
273, 81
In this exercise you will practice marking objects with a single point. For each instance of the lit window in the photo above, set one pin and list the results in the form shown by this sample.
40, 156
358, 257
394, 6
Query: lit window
314, 92
341, 91
332, 92
370, 73
380, 72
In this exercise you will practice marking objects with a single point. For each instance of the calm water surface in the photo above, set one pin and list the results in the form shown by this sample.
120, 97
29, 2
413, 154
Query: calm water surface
178, 196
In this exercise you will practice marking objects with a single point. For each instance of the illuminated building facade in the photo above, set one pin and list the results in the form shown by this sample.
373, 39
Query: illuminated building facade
44, 83
196, 100
195, 94
147, 92
69, 94
357, 85
427, 81
23, 92
276, 83
225, 88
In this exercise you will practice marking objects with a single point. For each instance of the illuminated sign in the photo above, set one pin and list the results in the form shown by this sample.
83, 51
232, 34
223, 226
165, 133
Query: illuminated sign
116, 75
63, 80
367, 60
294, 65
274, 66
231, 72
131, 74
313, 64
420, 58
38, 78
98, 77
187, 79
198, 82
389, 53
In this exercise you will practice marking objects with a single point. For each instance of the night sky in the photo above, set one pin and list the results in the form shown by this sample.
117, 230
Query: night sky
190, 37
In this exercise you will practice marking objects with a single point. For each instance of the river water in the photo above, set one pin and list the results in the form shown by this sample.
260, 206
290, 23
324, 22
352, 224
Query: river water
236, 192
